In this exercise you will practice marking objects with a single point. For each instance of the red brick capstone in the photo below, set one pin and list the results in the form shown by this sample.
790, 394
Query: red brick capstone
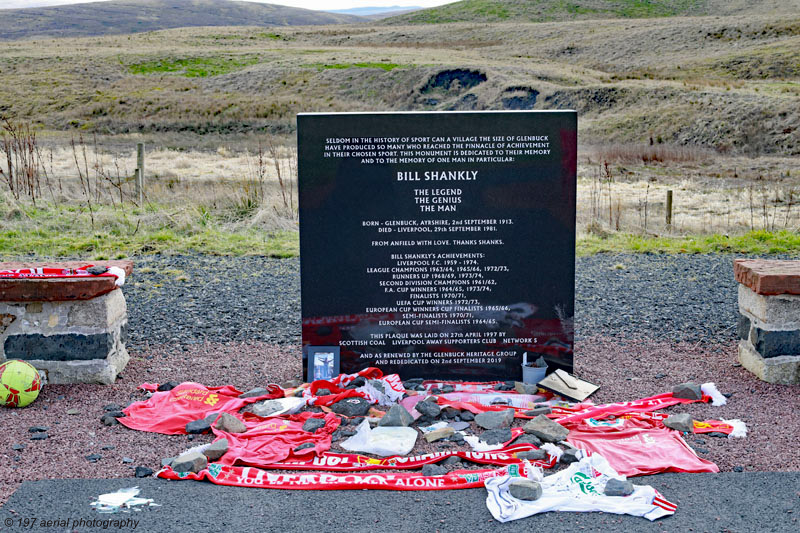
768, 276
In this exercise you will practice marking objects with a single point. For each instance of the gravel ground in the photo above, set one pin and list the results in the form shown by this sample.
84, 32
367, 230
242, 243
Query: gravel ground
178, 339
189, 299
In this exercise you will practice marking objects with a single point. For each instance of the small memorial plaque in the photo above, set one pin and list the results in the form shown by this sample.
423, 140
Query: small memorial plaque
437, 245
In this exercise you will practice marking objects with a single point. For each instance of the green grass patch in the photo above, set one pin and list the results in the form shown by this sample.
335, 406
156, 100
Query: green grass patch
195, 67
341, 66
754, 242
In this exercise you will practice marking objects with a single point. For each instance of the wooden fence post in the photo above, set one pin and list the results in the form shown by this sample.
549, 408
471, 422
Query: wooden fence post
140, 173
669, 209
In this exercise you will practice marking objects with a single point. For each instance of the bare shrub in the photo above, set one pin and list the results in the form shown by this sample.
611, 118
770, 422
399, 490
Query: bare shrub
657, 153
21, 172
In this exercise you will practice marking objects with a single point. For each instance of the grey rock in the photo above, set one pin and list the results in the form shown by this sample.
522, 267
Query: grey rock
450, 413
143, 471
17, 447
525, 489
167, 461
688, 391
112, 407
439, 434
96, 270
533, 455
495, 419
356, 383
127, 460
618, 487
397, 416
429, 409
216, 449
459, 426
570, 455
542, 410
198, 426
351, 407
433, 470
291, 384
305, 446
94, 457
39, 436
467, 416
546, 429
450, 461
323, 392
190, 462
682, 422
313, 424
528, 439
230, 424
496, 436
107, 448
109, 420
717, 434
448, 388
254, 393
73, 411
38, 429
265, 408
169, 385
738, 469
701, 450
211, 417
457, 438
525, 388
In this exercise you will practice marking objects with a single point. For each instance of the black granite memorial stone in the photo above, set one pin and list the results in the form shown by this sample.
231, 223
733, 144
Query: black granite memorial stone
437, 245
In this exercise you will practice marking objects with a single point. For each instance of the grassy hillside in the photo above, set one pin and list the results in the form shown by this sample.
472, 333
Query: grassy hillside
133, 16
554, 10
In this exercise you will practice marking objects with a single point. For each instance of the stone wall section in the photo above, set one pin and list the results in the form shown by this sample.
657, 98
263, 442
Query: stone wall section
769, 319
79, 341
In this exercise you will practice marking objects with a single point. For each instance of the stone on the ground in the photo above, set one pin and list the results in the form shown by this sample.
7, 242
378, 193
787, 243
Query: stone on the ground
143, 471
541, 410
377, 384
618, 487
94, 457
570, 455
73, 411
687, 391
38, 429
505, 386
166, 461
109, 419
459, 426
429, 409
546, 429
112, 407
254, 393
447, 389
452, 460
39, 436
457, 438
433, 470
525, 489
198, 426
230, 424
190, 462
304, 446
17, 447
525, 388
438, 434
127, 460
496, 436
467, 416
291, 384
528, 439
351, 407
533, 455
323, 392
738, 468
169, 385
265, 408
682, 422
211, 417
313, 424
360, 381
216, 449
397, 416
716, 434
449, 412
495, 419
